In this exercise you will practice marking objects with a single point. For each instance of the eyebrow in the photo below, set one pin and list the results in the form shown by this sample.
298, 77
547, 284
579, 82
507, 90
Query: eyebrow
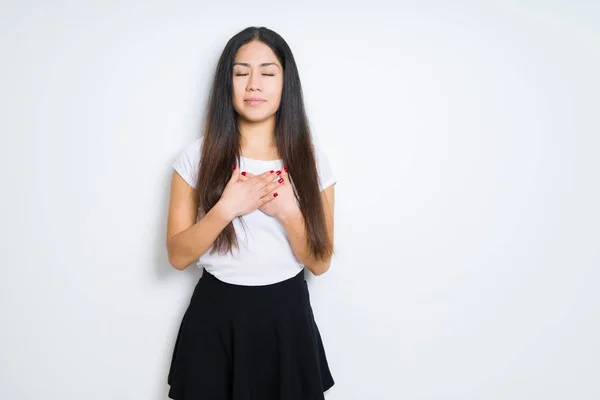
261, 65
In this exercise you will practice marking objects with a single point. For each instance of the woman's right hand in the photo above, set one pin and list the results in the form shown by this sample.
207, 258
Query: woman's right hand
240, 198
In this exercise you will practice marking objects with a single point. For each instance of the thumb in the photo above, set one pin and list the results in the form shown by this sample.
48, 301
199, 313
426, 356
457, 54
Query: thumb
235, 175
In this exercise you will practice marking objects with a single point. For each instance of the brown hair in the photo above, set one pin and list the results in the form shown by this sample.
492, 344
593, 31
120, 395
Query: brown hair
221, 143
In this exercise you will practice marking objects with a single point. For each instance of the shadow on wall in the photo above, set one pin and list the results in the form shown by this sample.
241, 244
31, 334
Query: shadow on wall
163, 271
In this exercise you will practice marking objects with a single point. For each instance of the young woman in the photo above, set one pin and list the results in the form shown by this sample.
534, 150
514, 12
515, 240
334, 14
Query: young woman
252, 202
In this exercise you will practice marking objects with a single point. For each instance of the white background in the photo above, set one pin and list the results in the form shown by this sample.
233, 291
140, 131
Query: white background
465, 140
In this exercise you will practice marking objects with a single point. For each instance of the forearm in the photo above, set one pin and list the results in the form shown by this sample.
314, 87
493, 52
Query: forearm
296, 230
190, 244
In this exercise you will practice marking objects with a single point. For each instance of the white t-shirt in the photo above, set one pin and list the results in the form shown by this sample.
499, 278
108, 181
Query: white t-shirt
265, 255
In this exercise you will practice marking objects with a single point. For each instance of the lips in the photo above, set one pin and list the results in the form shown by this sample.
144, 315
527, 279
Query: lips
254, 101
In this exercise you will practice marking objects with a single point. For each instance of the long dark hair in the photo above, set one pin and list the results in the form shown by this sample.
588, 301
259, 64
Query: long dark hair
221, 143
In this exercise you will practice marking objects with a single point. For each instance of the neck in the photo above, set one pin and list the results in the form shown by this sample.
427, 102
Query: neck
257, 134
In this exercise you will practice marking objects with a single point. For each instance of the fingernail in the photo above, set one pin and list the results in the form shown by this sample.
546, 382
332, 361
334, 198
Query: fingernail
285, 169
234, 166
280, 180
278, 172
275, 194
244, 173
272, 171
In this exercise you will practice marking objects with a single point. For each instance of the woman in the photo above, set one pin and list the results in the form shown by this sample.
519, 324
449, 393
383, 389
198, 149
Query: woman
252, 202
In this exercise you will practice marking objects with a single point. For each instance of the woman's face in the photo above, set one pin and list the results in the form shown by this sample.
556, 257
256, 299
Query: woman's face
258, 75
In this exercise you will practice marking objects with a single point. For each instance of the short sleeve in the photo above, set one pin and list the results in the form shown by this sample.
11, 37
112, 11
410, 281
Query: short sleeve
326, 176
187, 162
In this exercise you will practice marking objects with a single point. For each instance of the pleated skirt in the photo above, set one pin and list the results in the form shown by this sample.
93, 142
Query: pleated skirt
249, 343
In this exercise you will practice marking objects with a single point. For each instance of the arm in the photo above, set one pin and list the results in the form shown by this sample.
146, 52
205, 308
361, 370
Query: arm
294, 226
187, 239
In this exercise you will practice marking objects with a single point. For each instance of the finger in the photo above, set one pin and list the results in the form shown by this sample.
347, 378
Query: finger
268, 198
272, 186
264, 178
245, 176
282, 174
285, 174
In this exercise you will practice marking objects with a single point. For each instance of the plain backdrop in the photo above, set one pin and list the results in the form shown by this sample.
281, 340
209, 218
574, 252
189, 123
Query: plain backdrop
465, 140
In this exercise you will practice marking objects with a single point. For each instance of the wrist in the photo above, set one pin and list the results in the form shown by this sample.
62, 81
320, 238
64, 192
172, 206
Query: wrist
221, 211
289, 216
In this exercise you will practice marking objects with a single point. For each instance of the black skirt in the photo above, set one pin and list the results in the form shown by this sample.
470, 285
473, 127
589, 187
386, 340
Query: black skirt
249, 343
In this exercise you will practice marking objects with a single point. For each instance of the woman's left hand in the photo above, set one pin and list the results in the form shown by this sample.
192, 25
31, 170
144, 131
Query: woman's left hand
285, 203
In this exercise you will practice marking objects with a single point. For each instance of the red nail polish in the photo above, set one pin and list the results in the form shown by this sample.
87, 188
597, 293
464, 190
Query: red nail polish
275, 194
285, 169
244, 173
272, 171
280, 180
278, 172
234, 166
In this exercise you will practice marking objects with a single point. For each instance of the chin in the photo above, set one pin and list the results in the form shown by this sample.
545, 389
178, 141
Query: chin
255, 116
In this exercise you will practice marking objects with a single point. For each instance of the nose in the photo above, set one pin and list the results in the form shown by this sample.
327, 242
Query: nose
254, 82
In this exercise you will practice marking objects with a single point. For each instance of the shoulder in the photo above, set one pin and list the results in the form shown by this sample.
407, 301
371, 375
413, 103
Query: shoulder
187, 161
324, 168
194, 148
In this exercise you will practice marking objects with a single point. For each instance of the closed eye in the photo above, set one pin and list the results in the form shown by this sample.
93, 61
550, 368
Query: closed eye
247, 74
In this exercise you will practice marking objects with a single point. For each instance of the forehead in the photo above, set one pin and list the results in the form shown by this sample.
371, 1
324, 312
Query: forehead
256, 53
